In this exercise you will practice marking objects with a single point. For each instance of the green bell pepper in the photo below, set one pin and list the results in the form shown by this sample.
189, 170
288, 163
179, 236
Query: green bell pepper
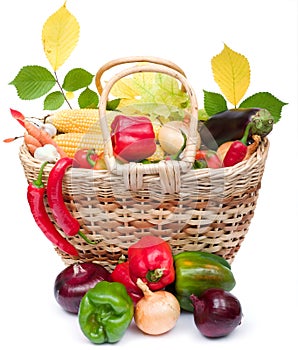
105, 312
198, 271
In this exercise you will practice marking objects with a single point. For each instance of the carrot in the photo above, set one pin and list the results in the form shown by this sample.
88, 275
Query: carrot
37, 133
32, 143
18, 116
31, 148
31, 140
42, 136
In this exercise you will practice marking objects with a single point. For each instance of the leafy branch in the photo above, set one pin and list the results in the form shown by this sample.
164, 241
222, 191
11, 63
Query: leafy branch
231, 72
60, 35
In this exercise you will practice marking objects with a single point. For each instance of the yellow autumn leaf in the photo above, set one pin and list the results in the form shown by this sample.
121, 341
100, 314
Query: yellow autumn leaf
60, 35
134, 89
231, 72
123, 89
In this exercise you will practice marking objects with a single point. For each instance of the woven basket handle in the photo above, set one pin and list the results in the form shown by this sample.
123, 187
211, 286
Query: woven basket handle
168, 170
133, 59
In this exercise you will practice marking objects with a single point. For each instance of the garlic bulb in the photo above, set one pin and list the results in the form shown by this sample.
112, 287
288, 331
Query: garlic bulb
47, 153
49, 128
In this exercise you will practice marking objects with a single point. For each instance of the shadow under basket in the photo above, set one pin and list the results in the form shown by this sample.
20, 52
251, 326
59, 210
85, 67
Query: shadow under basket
212, 211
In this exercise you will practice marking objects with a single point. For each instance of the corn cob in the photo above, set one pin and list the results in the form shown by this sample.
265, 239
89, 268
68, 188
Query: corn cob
73, 141
158, 155
156, 127
85, 120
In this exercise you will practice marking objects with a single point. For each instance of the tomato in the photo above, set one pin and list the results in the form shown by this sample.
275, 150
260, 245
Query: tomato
207, 159
85, 158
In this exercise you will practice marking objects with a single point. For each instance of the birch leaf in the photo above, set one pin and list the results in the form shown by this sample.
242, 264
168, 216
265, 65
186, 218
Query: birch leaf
214, 103
267, 101
133, 89
60, 35
33, 82
231, 72
149, 88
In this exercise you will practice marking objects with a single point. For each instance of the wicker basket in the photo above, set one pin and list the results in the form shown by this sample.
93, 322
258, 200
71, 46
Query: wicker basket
193, 209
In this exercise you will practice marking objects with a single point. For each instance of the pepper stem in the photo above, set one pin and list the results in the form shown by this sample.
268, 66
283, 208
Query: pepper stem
89, 159
246, 133
86, 239
154, 275
38, 182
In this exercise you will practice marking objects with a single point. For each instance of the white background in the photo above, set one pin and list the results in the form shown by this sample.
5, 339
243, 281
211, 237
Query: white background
189, 33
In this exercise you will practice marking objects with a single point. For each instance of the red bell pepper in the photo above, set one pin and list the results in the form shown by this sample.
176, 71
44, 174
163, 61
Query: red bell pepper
121, 274
151, 260
133, 138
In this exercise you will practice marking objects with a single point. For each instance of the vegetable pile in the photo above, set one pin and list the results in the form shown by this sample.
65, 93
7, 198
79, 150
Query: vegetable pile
148, 124
151, 287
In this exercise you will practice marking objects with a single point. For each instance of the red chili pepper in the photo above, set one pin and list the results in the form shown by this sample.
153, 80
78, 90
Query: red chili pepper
151, 259
235, 154
35, 196
63, 217
121, 274
237, 150
85, 158
133, 138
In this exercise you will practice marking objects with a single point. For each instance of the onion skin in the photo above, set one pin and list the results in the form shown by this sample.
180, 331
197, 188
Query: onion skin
74, 281
216, 312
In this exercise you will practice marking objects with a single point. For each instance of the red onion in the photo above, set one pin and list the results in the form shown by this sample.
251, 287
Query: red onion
216, 312
74, 281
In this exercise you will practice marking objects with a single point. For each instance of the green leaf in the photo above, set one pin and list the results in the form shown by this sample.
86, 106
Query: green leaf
267, 101
202, 115
113, 104
76, 79
53, 101
33, 82
88, 99
163, 112
214, 103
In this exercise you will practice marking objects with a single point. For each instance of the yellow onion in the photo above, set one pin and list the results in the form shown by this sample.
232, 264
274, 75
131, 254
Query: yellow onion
157, 312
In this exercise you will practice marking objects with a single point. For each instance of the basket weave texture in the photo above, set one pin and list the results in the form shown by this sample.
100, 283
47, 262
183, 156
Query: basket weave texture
211, 210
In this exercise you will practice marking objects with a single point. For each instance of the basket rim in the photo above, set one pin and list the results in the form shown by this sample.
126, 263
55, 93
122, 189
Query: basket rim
260, 154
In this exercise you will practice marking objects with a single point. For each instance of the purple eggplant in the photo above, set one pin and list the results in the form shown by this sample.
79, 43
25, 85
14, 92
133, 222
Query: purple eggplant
230, 125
